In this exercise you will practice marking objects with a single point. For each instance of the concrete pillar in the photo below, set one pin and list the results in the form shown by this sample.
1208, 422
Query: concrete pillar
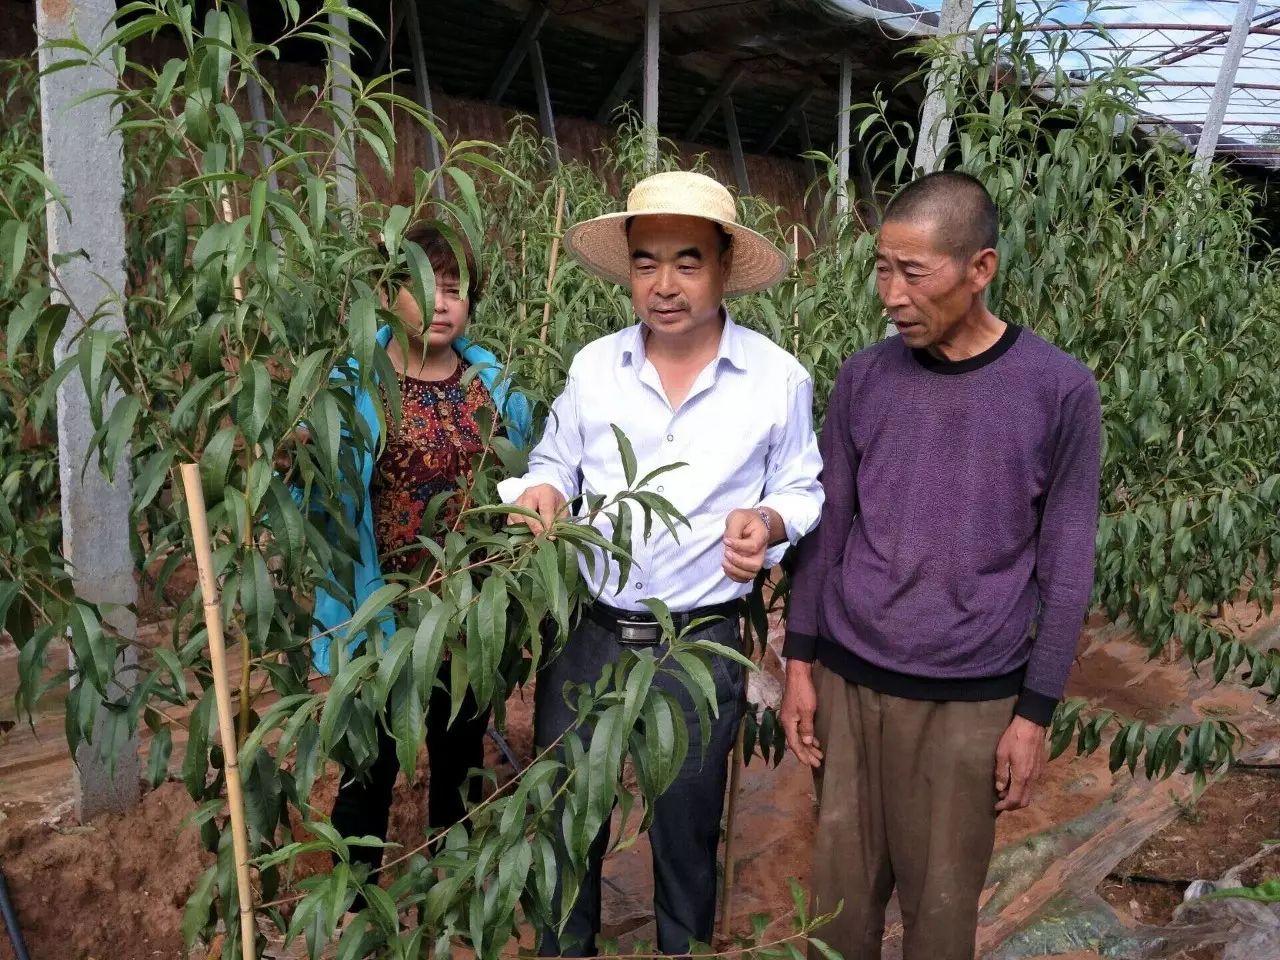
340, 93
1231, 56
843, 134
82, 155
650, 100
935, 123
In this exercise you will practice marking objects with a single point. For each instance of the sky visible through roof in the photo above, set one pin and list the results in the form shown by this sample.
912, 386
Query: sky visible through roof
1253, 115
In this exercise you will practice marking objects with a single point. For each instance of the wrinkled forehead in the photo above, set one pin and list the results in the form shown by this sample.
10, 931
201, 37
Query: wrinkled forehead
913, 240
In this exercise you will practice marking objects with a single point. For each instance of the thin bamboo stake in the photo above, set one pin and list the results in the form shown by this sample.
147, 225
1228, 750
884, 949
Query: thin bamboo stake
246, 648
795, 259
523, 307
199, 519
246, 655
555, 256
726, 891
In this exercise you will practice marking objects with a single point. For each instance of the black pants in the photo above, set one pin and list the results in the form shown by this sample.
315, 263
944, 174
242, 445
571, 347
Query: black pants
363, 805
685, 834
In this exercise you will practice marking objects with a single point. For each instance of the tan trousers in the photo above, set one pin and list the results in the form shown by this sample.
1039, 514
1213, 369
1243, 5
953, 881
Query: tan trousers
906, 796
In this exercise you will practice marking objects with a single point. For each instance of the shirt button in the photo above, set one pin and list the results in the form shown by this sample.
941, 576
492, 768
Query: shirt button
671, 437
639, 585
660, 489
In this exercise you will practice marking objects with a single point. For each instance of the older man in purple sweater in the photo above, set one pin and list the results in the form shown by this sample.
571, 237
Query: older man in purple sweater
935, 610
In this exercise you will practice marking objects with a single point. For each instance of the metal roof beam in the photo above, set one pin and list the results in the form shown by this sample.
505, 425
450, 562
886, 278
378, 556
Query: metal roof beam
622, 86
735, 146
721, 93
546, 119
528, 34
788, 117
423, 82
397, 20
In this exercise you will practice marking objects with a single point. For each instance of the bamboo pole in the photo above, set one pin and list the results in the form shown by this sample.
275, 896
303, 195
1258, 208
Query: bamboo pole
246, 655
199, 520
726, 891
523, 307
555, 256
795, 259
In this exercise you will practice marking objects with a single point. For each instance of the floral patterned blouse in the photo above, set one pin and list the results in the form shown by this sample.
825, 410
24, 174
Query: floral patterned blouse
429, 453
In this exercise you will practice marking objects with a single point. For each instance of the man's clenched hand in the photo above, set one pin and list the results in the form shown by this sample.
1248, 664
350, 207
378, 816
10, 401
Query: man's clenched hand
746, 538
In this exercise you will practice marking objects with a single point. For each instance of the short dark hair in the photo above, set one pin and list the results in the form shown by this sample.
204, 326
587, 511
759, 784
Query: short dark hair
959, 207
442, 258
723, 235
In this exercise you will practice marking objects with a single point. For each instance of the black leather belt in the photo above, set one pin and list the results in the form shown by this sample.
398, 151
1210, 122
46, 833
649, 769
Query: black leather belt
638, 628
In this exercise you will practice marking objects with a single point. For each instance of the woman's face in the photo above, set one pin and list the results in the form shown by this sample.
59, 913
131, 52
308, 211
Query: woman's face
448, 321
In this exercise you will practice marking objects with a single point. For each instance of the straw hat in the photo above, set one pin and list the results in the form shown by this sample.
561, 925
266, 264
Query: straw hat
600, 244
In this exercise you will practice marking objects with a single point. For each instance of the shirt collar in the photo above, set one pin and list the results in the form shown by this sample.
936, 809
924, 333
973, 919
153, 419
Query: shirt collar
731, 347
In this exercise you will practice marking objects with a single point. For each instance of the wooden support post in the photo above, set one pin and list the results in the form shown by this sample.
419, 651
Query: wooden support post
622, 86
523, 46
82, 156
1212, 126
423, 83
546, 119
794, 110
935, 122
842, 134
650, 111
723, 90
735, 147
340, 77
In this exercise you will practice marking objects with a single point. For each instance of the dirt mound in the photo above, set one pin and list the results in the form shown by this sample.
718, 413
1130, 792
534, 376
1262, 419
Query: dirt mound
76, 889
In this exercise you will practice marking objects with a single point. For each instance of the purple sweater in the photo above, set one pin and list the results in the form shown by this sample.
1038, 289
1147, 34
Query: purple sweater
961, 512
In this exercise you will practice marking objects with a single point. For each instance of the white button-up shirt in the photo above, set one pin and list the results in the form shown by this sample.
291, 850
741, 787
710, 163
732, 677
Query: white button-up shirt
744, 433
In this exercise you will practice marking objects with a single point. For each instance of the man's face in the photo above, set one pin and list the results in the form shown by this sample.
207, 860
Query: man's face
677, 272
448, 320
925, 289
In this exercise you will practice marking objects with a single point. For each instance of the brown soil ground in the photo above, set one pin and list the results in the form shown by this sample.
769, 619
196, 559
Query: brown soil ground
114, 888
1232, 821
111, 888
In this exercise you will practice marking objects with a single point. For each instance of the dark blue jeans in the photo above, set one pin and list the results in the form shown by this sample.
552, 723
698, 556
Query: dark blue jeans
686, 825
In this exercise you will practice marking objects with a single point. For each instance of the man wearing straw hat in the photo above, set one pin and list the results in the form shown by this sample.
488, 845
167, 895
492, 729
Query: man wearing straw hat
686, 385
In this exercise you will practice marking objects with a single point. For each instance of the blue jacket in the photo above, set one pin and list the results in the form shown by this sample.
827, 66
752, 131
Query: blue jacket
330, 611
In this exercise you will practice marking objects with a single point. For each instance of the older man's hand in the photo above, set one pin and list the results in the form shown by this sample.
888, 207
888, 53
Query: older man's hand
544, 500
1020, 759
799, 704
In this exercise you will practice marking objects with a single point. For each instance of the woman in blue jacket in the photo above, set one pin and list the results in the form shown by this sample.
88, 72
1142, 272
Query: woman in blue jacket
428, 453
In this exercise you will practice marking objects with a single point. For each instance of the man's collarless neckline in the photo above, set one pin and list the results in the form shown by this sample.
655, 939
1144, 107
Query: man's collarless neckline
936, 364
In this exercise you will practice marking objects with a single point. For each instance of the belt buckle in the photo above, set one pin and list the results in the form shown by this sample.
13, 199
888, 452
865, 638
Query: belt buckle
639, 633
